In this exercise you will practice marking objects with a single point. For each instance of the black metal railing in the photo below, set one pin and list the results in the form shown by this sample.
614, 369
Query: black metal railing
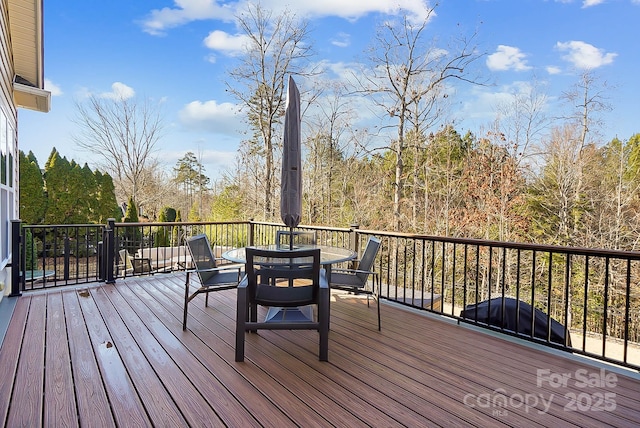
57, 255
594, 293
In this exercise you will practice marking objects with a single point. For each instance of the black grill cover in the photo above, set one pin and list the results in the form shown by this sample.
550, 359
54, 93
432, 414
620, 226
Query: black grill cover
490, 312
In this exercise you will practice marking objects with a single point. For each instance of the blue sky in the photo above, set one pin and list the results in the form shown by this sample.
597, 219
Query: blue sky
178, 53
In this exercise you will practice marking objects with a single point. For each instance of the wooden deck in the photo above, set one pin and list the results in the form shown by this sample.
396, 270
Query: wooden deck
116, 355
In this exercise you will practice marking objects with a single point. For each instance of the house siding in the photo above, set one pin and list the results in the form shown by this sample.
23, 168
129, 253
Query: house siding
9, 148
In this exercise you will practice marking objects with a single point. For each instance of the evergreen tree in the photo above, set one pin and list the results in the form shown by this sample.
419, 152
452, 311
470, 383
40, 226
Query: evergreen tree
88, 194
33, 200
169, 214
31, 259
132, 235
106, 203
163, 238
80, 187
226, 206
176, 237
194, 212
189, 175
61, 201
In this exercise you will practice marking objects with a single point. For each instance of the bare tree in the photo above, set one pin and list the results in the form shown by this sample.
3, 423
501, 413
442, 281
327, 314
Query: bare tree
407, 82
587, 100
277, 46
123, 134
522, 121
329, 129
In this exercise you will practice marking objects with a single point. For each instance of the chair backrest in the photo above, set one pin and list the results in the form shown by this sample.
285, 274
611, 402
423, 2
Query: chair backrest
283, 278
125, 259
202, 256
368, 257
285, 237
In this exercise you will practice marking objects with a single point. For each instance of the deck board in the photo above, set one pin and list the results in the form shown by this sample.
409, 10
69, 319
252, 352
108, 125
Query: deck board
28, 391
116, 355
149, 366
61, 408
244, 390
10, 355
127, 406
93, 404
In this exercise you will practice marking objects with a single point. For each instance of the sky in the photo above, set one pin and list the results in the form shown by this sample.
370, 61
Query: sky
178, 53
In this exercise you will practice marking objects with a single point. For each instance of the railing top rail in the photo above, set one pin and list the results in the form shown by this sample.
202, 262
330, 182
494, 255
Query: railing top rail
178, 223
304, 226
68, 226
599, 252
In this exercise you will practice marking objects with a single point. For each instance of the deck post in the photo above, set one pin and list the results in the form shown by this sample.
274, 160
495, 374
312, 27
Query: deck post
17, 258
67, 250
109, 250
251, 232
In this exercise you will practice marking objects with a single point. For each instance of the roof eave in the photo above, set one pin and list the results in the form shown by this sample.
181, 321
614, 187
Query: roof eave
30, 97
26, 32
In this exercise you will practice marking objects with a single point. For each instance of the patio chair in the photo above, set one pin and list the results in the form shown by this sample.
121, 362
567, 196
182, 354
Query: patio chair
132, 265
212, 277
356, 280
284, 237
266, 283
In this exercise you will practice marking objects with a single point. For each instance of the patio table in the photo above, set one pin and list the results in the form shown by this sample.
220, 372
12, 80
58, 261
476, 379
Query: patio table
328, 255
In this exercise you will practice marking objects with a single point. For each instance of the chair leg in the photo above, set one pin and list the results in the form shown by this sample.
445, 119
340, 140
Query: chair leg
378, 304
323, 325
186, 302
252, 316
377, 300
376, 279
242, 315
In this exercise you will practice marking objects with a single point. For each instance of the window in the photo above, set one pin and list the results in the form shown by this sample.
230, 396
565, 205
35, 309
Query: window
8, 184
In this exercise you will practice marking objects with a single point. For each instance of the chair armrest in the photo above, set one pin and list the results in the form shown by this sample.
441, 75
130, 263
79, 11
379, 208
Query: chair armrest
244, 282
216, 269
323, 279
354, 271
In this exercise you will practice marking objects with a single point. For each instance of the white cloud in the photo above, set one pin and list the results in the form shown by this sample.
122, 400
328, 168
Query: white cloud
585, 56
589, 3
53, 88
119, 91
159, 21
552, 69
185, 11
507, 58
225, 42
211, 116
342, 40
213, 161
417, 10
480, 104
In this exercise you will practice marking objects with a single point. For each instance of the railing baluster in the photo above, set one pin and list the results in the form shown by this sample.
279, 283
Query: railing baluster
453, 280
567, 295
605, 312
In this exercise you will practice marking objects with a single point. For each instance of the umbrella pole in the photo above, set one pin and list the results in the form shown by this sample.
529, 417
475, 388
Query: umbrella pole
291, 238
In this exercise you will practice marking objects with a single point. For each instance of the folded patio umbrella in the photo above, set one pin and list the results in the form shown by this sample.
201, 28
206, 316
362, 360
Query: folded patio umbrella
291, 179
